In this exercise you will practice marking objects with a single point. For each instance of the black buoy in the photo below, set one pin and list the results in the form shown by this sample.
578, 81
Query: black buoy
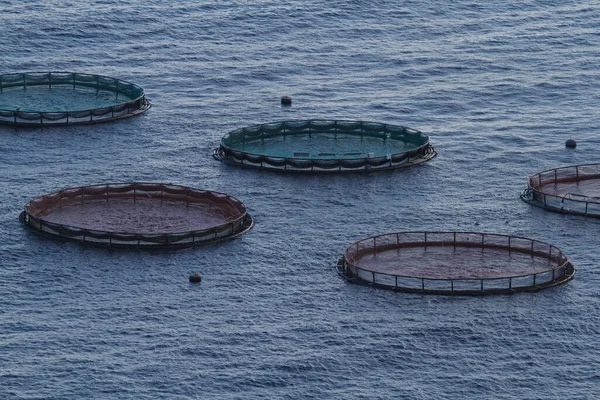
571, 143
195, 278
286, 100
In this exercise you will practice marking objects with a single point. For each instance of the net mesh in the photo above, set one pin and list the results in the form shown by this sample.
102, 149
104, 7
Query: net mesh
66, 98
138, 215
466, 263
573, 190
325, 146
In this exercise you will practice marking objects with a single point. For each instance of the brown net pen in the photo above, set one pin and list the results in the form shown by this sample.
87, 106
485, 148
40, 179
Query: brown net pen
454, 263
572, 190
151, 215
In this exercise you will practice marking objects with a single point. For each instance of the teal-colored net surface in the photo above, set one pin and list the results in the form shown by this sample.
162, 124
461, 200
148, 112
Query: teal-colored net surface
325, 145
34, 99
63, 98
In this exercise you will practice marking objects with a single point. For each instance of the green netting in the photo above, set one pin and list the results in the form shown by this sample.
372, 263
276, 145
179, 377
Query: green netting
65, 98
325, 146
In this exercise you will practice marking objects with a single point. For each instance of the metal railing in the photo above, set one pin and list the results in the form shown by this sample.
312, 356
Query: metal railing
32, 215
571, 203
559, 271
325, 162
134, 100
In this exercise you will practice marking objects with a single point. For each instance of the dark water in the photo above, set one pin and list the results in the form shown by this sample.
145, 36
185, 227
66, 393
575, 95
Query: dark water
498, 86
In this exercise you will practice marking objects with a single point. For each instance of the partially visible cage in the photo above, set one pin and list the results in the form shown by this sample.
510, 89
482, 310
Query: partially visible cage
573, 189
139, 214
454, 263
67, 98
322, 146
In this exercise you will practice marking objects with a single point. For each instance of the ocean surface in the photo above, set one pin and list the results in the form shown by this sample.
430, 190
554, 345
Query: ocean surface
499, 86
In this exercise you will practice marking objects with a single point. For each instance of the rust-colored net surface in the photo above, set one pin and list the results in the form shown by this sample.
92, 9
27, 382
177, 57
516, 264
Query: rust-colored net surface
449, 262
587, 188
454, 263
138, 214
573, 190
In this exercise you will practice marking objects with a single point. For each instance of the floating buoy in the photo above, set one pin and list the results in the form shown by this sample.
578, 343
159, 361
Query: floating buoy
195, 278
286, 100
571, 143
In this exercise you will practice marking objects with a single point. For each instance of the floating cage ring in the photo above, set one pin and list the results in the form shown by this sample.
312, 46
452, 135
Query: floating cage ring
139, 214
321, 146
454, 263
573, 189
218, 154
67, 98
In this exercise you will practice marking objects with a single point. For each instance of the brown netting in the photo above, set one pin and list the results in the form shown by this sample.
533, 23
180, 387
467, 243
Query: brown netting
573, 190
454, 263
138, 214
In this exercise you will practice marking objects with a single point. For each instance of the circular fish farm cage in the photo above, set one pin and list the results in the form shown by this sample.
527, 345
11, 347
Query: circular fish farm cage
454, 263
138, 215
66, 98
571, 190
325, 146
